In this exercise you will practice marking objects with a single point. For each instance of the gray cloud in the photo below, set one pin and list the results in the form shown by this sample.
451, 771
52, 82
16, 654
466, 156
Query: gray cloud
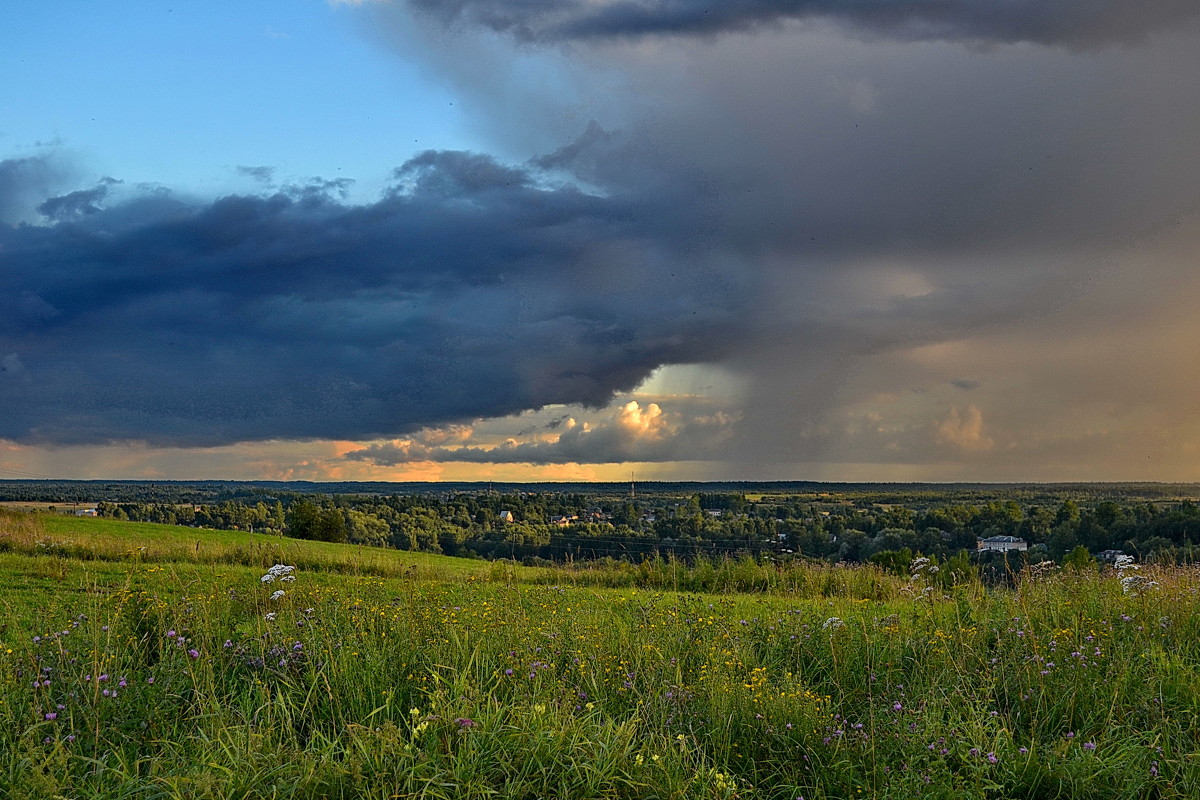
78, 203
262, 174
470, 290
25, 182
1073, 22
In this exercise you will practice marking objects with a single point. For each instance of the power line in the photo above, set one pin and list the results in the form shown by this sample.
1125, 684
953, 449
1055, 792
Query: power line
28, 475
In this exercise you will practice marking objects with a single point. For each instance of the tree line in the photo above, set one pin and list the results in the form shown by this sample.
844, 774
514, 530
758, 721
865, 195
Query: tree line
577, 526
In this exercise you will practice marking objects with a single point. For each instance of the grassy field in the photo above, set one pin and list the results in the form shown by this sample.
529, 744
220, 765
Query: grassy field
174, 672
90, 539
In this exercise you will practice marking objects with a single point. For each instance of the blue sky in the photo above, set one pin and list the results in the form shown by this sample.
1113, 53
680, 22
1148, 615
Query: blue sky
183, 93
507, 239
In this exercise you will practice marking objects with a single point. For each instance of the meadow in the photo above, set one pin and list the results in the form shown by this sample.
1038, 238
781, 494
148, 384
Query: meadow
140, 661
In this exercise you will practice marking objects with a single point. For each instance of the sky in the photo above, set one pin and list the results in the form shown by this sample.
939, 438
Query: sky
910, 240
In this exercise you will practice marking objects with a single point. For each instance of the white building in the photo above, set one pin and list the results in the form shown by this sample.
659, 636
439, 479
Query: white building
1001, 544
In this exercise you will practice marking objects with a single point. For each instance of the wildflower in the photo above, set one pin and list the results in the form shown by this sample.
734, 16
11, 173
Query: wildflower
171, 634
150, 680
1023, 750
897, 707
466, 722
833, 623
70, 737
281, 572
278, 594
974, 751
269, 617
1153, 769
991, 757
228, 644
51, 716
1089, 745
193, 653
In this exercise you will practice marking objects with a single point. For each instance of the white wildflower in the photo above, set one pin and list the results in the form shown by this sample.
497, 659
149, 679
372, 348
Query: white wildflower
281, 572
278, 594
833, 623
269, 617
1132, 584
1124, 562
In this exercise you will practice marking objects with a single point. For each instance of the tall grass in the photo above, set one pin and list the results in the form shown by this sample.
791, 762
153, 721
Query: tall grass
798, 578
188, 680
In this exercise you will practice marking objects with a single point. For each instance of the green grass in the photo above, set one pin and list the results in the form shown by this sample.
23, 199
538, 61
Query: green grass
500, 684
114, 540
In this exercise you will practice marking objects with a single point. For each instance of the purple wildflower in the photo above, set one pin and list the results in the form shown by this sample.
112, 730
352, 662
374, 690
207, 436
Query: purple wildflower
1089, 745
51, 716
193, 653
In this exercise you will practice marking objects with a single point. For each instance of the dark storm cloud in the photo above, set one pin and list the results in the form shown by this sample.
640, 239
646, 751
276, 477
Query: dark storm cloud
1072, 22
470, 290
